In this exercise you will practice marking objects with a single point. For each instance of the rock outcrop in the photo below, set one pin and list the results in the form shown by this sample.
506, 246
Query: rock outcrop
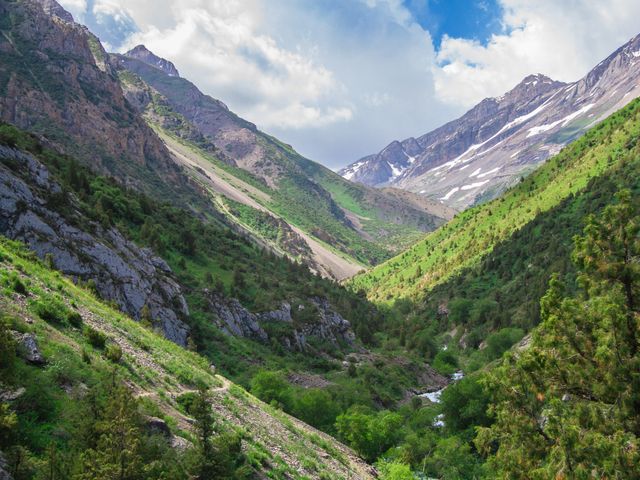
122, 272
325, 326
4, 474
143, 54
28, 348
56, 81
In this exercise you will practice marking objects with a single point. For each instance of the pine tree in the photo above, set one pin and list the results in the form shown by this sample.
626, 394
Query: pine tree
569, 405
117, 454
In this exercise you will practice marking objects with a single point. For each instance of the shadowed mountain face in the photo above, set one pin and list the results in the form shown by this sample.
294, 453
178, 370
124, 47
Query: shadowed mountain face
479, 155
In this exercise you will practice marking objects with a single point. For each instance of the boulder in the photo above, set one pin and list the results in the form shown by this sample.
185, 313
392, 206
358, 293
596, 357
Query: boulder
157, 426
28, 348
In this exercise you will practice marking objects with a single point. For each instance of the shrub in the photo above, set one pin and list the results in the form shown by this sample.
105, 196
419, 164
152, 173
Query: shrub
74, 319
113, 353
17, 285
96, 339
271, 387
445, 362
51, 310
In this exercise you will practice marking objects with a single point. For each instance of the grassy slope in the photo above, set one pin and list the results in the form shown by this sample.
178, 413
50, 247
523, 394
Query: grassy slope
156, 369
309, 196
473, 234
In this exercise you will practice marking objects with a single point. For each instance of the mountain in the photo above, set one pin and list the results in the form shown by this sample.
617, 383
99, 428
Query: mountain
324, 210
57, 81
473, 234
478, 156
92, 348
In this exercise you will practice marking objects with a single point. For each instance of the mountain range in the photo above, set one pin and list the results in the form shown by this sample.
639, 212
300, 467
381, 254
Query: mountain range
479, 155
184, 296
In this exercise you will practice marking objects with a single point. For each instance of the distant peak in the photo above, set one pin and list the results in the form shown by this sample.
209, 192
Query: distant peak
145, 55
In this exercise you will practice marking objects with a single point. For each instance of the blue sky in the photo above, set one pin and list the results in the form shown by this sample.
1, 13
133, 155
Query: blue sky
340, 79
468, 19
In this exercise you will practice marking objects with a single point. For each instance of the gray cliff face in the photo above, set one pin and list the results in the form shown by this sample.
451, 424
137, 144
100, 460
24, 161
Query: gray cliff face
124, 273
479, 155
329, 326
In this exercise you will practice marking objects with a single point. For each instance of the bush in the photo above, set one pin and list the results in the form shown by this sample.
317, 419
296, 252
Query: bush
51, 310
96, 339
113, 353
445, 362
501, 341
17, 285
271, 387
74, 319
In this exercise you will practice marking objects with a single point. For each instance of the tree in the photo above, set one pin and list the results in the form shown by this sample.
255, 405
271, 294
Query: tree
569, 405
371, 434
117, 454
204, 427
272, 387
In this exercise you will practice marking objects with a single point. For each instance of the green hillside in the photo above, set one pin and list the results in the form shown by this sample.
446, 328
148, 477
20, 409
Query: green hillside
363, 223
103, 375
473, 234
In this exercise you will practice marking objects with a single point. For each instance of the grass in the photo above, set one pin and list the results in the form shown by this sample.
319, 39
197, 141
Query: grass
162, 369
472, 234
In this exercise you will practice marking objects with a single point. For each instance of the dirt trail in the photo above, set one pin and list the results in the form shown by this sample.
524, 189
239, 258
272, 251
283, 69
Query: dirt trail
333, 264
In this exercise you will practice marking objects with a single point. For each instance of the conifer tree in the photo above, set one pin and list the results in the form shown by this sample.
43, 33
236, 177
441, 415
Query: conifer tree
568, 406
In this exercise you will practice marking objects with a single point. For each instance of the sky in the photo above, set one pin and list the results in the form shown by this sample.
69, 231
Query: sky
341, 79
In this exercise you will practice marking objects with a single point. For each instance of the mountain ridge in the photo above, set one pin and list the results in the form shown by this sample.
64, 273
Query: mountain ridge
503, 138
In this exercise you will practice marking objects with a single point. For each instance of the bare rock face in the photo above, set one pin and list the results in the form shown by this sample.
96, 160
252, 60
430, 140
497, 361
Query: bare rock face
233, 319
55, 81
4, 474
479, 155
124, 273
141, 53
53, 8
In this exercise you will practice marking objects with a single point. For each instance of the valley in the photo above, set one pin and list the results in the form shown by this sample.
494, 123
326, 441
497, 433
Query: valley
184, 296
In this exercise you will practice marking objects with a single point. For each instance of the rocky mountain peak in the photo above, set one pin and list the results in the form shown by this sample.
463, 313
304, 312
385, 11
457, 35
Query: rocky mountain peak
143, 54
54, 9
532, 86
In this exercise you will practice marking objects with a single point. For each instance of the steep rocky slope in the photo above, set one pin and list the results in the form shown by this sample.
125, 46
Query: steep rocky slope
359, 221
479, 155
158, 372
120, 272
55, 81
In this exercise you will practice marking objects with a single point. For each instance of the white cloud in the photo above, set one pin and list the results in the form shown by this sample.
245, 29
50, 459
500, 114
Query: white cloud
562, 39
341, 79
220, 45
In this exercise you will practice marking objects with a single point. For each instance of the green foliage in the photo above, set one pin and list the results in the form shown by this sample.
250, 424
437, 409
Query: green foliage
369, 433
464, 405
473, 234
53, 310
394, 471
272, 387
95, 337
317, 408
113, 353
569, 405
445, 362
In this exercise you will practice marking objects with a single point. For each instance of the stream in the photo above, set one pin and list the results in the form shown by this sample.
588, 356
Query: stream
434, 397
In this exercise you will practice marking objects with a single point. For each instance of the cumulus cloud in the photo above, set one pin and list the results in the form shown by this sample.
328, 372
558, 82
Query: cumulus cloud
220, 44
340, 79
560, 39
